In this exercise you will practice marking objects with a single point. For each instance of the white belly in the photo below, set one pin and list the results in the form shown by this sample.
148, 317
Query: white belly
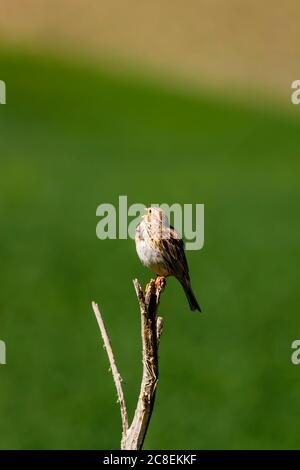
150, 257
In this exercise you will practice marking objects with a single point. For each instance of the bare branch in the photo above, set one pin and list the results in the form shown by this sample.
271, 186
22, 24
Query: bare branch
115, 373
151, 330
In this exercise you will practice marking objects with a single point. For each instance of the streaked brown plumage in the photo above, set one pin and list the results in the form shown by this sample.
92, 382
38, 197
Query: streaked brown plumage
161, 249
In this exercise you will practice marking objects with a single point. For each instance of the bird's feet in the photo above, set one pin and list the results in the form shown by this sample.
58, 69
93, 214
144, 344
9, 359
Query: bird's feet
160, 282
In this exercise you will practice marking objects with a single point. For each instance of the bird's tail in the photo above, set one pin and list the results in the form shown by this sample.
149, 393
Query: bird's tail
190, 295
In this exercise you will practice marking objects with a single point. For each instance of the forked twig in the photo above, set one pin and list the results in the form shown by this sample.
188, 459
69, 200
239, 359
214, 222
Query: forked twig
151, 329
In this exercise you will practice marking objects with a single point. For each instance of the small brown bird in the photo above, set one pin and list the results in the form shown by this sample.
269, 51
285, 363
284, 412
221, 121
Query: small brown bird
161, 249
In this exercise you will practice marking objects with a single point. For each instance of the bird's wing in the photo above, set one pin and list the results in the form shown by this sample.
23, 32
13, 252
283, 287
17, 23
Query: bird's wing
173, 253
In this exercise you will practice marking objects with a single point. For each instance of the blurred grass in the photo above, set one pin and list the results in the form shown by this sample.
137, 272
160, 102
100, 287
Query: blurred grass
73, 137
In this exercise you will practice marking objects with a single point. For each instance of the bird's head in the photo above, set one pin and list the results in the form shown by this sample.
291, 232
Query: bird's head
155, 215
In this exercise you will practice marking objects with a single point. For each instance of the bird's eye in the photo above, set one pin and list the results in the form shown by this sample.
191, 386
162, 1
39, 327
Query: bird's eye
149, 211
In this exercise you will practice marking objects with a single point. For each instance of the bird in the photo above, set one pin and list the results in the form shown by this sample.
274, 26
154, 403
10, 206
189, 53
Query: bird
161, 249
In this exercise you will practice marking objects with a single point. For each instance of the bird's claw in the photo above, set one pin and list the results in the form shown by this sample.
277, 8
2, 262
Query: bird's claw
160, 282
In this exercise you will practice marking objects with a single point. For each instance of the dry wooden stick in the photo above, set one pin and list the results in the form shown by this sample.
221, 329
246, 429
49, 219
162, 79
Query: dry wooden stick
151, 328
114, 370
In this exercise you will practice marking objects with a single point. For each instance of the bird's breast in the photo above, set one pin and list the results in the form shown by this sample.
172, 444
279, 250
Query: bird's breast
149, 255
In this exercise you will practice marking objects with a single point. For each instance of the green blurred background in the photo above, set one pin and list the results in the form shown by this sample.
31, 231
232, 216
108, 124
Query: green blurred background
77, 132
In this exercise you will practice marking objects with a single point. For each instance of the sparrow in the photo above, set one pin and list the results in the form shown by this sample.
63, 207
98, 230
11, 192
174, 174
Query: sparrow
161, 249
